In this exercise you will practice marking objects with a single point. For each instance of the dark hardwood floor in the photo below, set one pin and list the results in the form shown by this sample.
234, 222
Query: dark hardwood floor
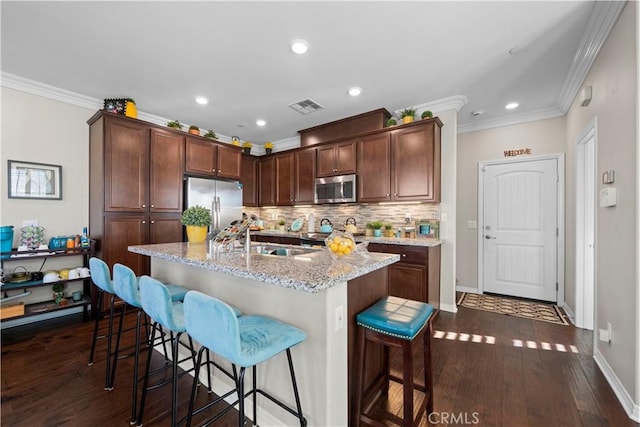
489, 370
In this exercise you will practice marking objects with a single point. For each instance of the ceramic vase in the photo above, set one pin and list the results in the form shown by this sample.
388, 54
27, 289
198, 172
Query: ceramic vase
196, 234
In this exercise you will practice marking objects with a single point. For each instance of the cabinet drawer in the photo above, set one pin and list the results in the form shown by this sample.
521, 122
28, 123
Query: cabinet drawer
409, 254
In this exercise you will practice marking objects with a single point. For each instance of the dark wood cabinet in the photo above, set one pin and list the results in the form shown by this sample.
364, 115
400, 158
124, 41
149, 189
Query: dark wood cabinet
135, 187
417, 275
267, 181
304, 178
249, 180
209, 158
400, 165
336, 159
285, 167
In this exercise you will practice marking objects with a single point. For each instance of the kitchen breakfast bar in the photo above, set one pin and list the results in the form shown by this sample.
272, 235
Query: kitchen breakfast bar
306, 288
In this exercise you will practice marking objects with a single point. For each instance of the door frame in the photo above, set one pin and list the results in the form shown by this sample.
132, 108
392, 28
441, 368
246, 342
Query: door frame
559, 157
585, 297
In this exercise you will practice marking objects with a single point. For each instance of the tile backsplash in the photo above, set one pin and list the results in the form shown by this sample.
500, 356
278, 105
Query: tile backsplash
338, 214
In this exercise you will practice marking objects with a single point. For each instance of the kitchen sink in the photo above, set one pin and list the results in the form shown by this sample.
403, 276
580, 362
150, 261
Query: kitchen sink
276, 250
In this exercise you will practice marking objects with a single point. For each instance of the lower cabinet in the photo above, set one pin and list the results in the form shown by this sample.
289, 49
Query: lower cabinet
417, 275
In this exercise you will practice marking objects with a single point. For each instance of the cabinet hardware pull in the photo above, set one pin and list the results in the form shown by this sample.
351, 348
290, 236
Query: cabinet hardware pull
153, 222
153, 206
144, 222
144, 206
387, 194
404, 255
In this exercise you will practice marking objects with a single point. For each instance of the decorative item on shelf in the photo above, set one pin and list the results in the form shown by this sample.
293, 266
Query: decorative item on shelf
196, 219
388, 230
326, 226
350, 225
246, 147
281, 224
368, 229
426, 114
210, 134
235, 141
115, 105
130, 109
268, 147
194, 130
58, 294
377, 228
32, 236
340, 244
407, 115
391, 122
174, 124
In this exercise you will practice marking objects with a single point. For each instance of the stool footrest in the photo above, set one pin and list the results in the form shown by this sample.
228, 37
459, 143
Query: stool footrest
416, 386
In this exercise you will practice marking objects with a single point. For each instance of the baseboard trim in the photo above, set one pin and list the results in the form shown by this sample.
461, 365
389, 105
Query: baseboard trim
468, 289
631, 408
451, 308
570, 313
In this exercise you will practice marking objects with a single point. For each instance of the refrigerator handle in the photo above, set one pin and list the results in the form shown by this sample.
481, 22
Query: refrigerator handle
213, 216
218, 225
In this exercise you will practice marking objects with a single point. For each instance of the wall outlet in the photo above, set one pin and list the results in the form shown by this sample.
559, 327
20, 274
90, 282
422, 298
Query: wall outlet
28, 222
407, 217
472, 224
339, 318
605, 334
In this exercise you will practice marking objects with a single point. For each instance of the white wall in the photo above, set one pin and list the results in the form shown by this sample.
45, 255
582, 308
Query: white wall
613, 78
543, 137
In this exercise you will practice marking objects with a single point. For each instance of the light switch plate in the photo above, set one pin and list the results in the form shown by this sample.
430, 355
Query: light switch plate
608, 197
472, 224
28, 222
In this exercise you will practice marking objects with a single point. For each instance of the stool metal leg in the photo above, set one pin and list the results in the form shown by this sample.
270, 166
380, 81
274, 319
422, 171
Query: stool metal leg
174, 383
134, 398
303, 421
117, 350
95, 329
107, 385
145, 384
194, 387
241, 397
255, 396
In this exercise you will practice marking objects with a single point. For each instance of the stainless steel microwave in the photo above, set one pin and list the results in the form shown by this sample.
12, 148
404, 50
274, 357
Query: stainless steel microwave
336, 189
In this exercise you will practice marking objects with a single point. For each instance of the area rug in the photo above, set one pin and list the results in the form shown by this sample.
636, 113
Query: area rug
514, 307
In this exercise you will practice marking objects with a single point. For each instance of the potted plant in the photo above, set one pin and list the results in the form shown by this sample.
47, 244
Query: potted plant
407, 115
268, 147
58, 293
196, 219
426, 114
391, 122
194, 130
235, 141
210, 134
377, 228
368, 229
130, 109
388, 230
174, 124
281, 224
246, 147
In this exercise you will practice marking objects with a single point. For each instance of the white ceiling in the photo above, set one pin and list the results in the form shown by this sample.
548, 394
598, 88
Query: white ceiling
237, 54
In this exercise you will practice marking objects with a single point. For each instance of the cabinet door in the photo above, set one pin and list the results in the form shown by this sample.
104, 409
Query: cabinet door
200, 157
345, 154
228, 161
374, 180
120, 232
165, 171
412, 170
305, 176
326, 161
248, 178
267, 176
284, 179
126, 162
408, 281
165, 229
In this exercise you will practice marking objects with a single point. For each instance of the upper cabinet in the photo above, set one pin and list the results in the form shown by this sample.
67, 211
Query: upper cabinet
166, 158
284, 179
304, 178
267, 181
401, 164
336, 159
249, 180
212, 159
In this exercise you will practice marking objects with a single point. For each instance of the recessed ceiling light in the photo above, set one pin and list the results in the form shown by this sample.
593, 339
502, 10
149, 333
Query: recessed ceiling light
261, 122
299, 46
202, 100
354, 91
511, 105
477, 113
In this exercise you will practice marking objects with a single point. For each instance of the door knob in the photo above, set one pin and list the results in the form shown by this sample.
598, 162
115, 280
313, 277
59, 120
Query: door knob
488, 237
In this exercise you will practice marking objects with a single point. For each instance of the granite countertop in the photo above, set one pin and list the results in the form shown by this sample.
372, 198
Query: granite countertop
313, 272
424, 242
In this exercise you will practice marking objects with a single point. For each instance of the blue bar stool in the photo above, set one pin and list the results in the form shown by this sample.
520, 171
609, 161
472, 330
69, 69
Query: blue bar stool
395, 322
101, 277
126, 286
245, 341
157, 302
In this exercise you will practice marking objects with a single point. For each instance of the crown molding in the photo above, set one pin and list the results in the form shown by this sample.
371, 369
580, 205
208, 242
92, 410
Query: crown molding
541, 114
455, 102
603, 17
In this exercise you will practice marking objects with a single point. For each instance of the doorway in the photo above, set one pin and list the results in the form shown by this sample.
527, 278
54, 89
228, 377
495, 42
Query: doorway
585, 226
521, 227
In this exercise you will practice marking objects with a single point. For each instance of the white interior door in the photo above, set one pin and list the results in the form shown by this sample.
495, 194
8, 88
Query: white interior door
519, 229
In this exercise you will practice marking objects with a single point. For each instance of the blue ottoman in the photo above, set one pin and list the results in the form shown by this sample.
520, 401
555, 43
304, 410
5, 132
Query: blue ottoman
395, 322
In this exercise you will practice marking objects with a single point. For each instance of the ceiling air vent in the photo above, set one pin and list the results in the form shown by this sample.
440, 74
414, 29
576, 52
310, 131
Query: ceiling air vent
306, 106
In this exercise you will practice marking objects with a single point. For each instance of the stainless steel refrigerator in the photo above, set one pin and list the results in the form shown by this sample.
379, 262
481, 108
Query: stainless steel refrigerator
224, 198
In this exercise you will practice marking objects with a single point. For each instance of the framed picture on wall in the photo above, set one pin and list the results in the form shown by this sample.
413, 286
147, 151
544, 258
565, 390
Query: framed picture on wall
34, 180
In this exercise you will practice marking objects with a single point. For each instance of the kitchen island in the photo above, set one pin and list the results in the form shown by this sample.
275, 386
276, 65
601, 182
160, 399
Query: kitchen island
312, 291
